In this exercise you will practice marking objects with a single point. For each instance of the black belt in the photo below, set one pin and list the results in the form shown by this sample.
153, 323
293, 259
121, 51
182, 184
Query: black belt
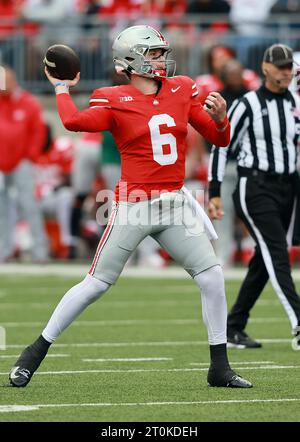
265, 176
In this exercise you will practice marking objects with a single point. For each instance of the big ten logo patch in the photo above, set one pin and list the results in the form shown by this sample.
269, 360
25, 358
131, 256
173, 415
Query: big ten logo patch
126, 99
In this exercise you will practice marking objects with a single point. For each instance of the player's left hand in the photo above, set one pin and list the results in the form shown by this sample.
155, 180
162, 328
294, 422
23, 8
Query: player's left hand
215, 106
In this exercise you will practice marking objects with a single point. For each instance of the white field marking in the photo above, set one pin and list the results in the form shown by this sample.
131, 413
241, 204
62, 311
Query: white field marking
105, 304
59, 355
130, 322
78, 271
128, 360
236, 363
144, 344
121, 322
35, 290
269, 320
268, 302
16, 408
42, 290
29, 305
126, 304
158, 370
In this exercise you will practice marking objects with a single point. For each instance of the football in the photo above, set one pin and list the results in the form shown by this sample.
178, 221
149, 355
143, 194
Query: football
62, 62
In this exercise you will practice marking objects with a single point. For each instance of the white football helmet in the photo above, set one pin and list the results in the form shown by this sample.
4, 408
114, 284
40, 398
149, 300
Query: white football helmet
131, 46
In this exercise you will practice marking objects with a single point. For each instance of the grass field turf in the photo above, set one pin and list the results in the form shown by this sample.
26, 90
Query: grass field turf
140, 319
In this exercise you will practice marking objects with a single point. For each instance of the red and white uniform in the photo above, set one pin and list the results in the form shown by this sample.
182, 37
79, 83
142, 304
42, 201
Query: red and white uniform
51, 167
149, 130
22, 129
212, 83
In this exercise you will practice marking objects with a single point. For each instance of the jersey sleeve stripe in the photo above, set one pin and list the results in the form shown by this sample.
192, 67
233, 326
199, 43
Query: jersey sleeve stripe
195, 93
99, 100
101, 107
194, 86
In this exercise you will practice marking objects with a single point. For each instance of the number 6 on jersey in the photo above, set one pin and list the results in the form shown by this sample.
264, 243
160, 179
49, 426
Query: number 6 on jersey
159, 140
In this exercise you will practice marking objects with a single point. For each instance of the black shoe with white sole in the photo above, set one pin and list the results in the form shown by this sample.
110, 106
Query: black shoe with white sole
28, 362
226, 378
25, 367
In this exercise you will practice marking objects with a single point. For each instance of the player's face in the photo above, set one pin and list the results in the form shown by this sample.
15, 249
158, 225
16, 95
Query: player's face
157, 58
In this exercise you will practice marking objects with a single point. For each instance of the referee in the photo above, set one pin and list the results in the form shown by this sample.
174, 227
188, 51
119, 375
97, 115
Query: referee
265, 127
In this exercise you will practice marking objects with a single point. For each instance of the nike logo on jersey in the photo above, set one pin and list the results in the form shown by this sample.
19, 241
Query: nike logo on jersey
175, 89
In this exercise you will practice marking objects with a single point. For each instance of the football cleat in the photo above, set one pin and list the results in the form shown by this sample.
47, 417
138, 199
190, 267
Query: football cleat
240, 339
25, 367
19, 377
226, 378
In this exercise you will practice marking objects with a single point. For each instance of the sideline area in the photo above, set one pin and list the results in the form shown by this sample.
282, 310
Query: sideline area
65, 269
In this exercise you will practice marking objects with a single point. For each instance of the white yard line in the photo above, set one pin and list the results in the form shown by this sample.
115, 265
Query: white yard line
268, 302
143, 344
34, 407
130, 322
157, 370
269, 320
48, 356
237, 363
127, 359
125, 304
118, 322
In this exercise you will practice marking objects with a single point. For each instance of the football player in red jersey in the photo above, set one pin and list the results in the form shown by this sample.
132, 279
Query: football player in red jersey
148, 119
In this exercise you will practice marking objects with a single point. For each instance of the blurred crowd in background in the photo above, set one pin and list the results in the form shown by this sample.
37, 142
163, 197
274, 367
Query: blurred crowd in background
49, 186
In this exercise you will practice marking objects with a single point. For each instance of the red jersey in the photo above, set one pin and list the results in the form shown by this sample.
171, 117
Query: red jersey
150, 130
52, 166
212, 83
22, 129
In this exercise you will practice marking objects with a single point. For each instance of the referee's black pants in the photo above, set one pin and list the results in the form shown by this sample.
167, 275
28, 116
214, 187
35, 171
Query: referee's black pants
265, 204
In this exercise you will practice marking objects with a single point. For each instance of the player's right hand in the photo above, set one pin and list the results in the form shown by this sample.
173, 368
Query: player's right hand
215, 208
70, 83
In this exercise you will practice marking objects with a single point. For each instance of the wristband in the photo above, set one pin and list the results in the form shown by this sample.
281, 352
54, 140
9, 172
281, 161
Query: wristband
61, 83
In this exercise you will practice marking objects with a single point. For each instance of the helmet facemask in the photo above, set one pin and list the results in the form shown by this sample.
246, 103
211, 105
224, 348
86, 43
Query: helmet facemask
142, 66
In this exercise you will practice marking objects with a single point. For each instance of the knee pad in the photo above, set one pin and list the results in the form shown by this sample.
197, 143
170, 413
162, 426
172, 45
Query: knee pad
93, 288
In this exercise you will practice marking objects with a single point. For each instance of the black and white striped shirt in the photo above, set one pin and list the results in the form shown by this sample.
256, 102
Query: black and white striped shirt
265, 128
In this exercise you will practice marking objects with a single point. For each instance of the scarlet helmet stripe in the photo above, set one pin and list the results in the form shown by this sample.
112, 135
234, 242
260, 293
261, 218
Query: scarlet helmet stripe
160, 35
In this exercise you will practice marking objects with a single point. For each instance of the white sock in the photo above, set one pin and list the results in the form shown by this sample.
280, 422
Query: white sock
72, 304
214, 306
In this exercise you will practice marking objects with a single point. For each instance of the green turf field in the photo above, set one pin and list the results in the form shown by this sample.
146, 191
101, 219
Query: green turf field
141, 354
